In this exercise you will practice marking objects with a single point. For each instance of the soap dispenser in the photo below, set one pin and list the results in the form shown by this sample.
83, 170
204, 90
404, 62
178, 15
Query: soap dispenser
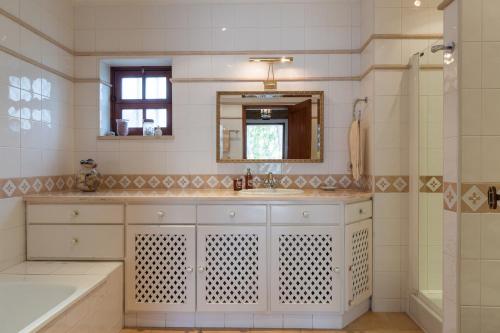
249, 180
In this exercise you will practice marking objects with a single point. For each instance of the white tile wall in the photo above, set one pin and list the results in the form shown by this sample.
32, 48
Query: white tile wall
218, 26
36, 108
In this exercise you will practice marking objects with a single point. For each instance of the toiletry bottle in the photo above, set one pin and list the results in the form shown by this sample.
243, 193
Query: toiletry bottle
248, 180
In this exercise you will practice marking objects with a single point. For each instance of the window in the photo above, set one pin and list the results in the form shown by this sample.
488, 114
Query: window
142, 93
265, 141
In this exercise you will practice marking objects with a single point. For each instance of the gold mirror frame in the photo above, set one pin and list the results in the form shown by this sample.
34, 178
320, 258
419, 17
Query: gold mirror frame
321, 125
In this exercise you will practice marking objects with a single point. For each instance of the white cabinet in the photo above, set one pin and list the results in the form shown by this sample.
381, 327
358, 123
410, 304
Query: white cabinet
306, 267
358, 247
160, 268
76, 242
232, 268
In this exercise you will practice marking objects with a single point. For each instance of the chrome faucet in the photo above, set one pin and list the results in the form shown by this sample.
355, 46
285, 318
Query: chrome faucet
270, 182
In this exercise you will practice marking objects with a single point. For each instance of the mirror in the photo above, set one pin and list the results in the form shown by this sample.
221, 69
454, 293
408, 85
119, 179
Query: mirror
280, 126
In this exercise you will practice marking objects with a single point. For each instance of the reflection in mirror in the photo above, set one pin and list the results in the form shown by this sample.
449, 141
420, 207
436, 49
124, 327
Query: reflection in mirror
263, 126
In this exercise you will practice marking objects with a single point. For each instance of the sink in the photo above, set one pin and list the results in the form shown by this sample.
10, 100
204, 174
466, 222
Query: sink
268, 191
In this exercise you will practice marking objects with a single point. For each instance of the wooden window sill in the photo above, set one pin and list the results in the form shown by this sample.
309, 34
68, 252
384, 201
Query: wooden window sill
137, 137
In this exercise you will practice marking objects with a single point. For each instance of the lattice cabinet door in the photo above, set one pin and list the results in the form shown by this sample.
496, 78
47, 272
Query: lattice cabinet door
160, 268
358, 240
231, 268
306, 268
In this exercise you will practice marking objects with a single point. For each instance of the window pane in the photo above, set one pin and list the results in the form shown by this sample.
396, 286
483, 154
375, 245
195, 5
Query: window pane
264, 142
156, 88
134, 117
131, 88
158, 115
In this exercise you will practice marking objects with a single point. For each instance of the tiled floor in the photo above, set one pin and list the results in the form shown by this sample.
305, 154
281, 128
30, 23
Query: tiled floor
369, 323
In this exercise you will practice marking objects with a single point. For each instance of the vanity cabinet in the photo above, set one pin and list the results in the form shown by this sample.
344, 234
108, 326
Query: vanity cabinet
232, 268
160, 268
306, 266
300, 263
75, 232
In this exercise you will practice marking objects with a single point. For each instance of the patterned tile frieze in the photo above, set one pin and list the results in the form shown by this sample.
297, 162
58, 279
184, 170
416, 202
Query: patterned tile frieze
431, 184
15, 187
226, 181
391, 184
475, 198
450, 197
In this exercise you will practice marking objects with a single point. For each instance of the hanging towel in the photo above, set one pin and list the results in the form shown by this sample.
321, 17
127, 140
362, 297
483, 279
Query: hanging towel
226, 140
356, 150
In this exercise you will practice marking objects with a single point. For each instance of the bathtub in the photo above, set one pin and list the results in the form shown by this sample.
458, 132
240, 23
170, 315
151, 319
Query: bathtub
48, 296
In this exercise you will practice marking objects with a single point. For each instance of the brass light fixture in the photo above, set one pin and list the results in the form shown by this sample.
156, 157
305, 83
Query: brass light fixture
271, 83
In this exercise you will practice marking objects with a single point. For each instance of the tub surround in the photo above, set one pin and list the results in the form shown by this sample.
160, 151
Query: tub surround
84, 295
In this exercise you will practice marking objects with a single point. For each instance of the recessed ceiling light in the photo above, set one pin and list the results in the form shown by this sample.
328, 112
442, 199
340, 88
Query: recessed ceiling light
224, 29
418, 3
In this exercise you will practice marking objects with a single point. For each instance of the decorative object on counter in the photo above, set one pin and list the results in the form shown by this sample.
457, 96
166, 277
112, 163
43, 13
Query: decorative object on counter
148, 127
248, 179
122, 127
158, 131
237, 184
110, 133
88, 179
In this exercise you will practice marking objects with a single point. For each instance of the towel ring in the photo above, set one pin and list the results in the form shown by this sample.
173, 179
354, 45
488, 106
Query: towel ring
357, 116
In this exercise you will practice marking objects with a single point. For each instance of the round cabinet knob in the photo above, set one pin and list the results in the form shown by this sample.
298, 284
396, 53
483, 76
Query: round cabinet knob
74, 241
160, 214
336, 269
201, 268
361, 211
232, 214
306, 214
189, 269
75, 213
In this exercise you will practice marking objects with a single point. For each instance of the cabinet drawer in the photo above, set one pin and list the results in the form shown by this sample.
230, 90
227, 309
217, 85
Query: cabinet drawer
219, 214
77, 214
323, 214
75, 242
161, 214
358, 211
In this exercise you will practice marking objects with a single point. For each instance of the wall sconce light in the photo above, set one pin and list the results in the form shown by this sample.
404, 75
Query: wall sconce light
271, 83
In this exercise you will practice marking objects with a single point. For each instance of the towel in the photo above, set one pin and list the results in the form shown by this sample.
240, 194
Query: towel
226, 140
356, 150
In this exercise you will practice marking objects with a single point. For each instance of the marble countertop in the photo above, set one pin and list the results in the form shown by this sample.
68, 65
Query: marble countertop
193, 196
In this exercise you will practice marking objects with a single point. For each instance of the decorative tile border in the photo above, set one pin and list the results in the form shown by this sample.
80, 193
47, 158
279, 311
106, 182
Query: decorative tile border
391, 184
226, 181
475, 198
15, 187
450, 197
430, 184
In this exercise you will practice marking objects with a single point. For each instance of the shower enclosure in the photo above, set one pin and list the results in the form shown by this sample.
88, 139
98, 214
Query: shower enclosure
426, 177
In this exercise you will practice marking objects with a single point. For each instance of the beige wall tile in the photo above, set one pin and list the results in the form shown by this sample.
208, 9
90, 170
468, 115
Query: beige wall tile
490, 158
470, 282
489, 320
471, 107
490, 236
472, 63
387, 21
491, 20
470, 319
471, 20
471, 236
490, 64
490, 120
471, 158
490, 283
